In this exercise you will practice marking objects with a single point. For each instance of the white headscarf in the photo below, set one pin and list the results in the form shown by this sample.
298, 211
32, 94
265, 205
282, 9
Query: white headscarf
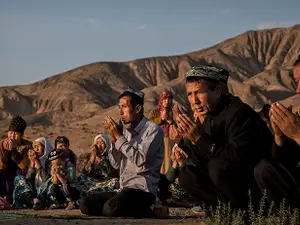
48, 147
106, 140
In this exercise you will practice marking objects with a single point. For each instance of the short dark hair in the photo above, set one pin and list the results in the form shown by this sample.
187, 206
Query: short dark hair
211, 82
297, 62
134, 100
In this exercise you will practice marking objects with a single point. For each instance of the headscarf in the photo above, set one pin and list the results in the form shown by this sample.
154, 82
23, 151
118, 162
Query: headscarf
107, 142
48, 147
17, 124
165, 94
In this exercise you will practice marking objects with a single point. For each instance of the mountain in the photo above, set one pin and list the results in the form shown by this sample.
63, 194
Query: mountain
73, 103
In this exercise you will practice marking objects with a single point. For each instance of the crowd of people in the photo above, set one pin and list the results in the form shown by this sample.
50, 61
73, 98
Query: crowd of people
219, 150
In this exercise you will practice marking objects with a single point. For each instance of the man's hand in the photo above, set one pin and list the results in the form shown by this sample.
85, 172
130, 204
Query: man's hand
114, 129
189, 129
279, 137
177, 110
286, 121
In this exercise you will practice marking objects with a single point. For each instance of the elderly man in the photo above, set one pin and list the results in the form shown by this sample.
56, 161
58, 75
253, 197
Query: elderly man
223, 145
280, 176
138, 153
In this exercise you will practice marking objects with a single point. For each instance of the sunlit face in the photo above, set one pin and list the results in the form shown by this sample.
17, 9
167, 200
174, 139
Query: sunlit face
127, 112
202, 99
100, 144
39, 148
16, 136
62, 146
166, 102
296, 72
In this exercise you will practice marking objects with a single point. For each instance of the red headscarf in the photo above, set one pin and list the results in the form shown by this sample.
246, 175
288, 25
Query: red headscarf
165, 94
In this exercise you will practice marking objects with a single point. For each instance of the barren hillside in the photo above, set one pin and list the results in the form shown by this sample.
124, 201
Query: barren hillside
73, 103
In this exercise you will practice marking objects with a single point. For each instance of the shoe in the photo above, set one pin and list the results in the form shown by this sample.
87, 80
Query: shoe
199, 211
71, 205
37, 204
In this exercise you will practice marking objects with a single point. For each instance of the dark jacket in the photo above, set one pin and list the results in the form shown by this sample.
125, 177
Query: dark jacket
233, 132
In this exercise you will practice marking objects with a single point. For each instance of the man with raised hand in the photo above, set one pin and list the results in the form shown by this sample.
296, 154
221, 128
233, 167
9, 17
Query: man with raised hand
138, 153
223, 145
280, 175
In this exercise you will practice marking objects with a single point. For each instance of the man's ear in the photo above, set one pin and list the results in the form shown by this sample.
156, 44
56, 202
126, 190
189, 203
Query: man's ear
138, 108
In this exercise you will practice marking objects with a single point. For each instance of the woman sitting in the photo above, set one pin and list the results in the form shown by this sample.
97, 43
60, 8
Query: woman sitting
27, 189
98, 166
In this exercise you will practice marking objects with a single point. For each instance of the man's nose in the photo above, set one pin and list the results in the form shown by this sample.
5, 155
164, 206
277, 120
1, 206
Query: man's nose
194, 99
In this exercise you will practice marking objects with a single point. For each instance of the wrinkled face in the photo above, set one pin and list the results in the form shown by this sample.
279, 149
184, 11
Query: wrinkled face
100, 144
296, 71
127, 112
62, 146
202, 99
39, 148
16, 136
166, 102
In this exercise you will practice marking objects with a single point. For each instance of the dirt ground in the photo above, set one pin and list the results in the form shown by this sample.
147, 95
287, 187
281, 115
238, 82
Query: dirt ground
59, 217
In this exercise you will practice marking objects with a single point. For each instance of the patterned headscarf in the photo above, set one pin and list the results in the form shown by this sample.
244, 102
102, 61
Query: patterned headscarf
107, 142
165, 94
17, 124
48, 147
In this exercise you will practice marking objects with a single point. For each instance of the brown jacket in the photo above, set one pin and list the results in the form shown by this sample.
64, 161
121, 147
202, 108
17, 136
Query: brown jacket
16, 156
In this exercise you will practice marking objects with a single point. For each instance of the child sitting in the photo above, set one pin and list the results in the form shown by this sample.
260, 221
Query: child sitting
63, 174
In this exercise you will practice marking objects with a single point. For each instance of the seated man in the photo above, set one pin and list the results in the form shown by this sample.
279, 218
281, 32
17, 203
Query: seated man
13, 156
138, 154
280, 176
223, 145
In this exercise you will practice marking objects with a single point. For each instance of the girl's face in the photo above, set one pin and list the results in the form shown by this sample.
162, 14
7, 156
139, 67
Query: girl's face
39, 148
166, 102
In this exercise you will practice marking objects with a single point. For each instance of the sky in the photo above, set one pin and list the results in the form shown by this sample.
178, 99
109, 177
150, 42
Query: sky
40, 38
